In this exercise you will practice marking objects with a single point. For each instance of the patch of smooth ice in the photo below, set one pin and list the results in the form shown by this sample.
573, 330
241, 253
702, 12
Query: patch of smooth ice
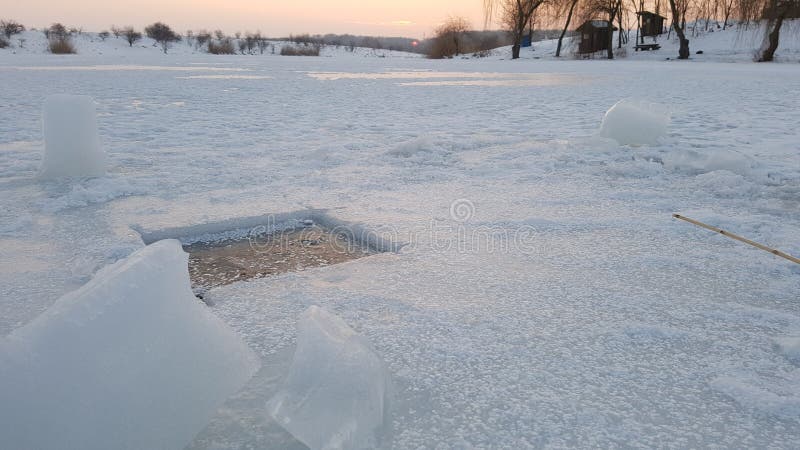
72, 146
521, 81
697, 162
128, 68
751, 396
226, 77
633, 122
473, 78
129, 360
335, 393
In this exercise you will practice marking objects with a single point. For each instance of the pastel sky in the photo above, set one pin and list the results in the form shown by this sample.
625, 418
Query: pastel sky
411, 18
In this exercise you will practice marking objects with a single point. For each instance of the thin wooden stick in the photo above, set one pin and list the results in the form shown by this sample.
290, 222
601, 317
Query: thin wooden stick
738, 238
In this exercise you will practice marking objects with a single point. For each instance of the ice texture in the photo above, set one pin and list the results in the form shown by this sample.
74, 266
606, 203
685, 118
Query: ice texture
335, 393
72, 146
130, 360
633, 122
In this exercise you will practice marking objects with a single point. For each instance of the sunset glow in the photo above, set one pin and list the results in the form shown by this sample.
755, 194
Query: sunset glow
410, 18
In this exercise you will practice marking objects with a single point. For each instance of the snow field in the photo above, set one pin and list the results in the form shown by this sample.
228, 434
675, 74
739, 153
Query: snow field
614, 326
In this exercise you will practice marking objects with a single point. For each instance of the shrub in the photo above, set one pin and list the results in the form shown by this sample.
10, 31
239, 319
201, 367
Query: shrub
450, 39
10, 28
61, 46
223, 47
103, 35
3, 43
202, 37
56, 31
291, 50
131, 35
162, 34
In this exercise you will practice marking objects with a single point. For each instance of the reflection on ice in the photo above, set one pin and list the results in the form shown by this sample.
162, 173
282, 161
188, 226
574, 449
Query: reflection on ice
226, 77
545, 80
129, 67
457, 78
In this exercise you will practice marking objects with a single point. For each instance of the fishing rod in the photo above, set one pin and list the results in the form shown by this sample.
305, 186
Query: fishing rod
738, 238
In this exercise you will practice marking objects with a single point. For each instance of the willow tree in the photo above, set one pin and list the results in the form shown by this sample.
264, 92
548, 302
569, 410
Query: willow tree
678, 9
569, 5
514, 15
774, 12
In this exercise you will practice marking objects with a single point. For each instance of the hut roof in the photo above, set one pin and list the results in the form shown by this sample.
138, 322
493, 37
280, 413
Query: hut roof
648, 13
597, 24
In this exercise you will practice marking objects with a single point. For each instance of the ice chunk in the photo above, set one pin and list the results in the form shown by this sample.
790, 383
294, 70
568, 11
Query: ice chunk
632, 122
130, 360
334, 395
72, 146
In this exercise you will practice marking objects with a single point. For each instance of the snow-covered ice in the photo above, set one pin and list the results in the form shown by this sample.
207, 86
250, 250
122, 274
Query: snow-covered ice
336, 390
631, 122
606, 323
72, 147
130, 360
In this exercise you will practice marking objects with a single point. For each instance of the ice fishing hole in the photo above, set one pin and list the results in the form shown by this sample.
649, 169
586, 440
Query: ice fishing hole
241, 249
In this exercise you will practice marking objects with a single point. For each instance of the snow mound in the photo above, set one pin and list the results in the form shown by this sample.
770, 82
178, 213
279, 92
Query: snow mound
72, 146
335, 393
129, 360
633, 122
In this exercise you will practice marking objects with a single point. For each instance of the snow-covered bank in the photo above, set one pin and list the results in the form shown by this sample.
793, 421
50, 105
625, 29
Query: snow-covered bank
734, 44
606, 324
34, 42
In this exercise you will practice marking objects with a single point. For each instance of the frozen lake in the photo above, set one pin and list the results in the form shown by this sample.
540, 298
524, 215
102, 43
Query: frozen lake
545, 296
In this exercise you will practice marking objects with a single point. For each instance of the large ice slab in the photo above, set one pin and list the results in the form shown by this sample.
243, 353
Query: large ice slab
72, 146
130, 360
335, 394
632, 122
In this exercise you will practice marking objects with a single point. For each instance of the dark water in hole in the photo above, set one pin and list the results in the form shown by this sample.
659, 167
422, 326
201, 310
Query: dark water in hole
219, 263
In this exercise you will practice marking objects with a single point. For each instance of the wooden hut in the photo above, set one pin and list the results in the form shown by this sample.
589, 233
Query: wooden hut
594, 36
650, 24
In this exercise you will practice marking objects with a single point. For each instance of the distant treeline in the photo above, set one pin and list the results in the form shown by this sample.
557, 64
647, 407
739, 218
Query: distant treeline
475, 40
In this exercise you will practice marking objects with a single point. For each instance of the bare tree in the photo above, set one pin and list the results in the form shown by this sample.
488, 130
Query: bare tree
727, 9
162, 34
774, 12
10, 28
679, 8
131, 35
201, 37
449, 40
516, 15
570, 5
